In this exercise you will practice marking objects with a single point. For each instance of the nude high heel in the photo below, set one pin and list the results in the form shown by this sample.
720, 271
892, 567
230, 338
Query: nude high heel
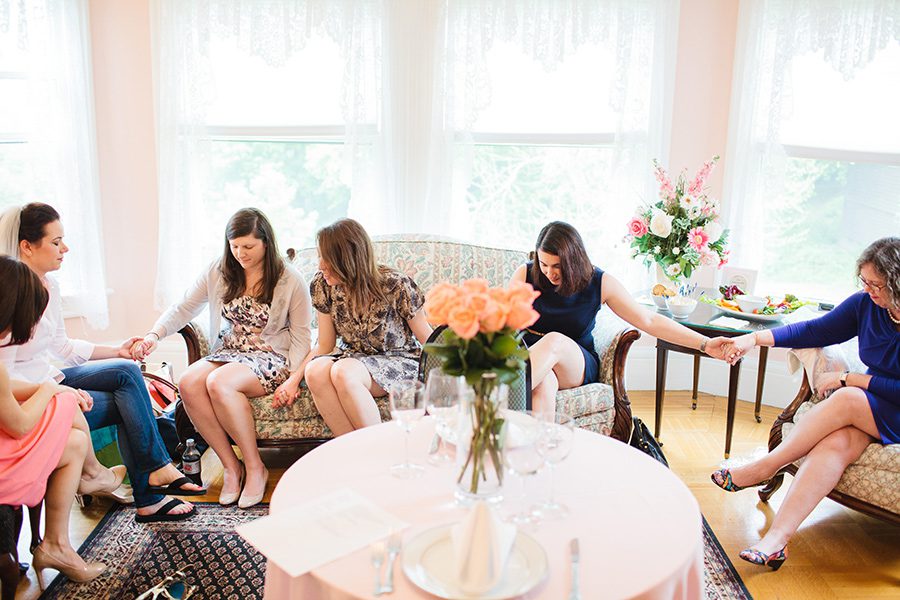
44, 560
231, 498
248, 501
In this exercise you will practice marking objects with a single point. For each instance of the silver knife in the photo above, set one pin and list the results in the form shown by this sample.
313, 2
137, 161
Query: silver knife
575, 558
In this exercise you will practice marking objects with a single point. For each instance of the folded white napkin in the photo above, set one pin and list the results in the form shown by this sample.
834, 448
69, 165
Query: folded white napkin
481, 545
730, 322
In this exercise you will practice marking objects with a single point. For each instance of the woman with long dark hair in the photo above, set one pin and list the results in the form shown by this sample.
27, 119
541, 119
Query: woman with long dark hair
43, 436
111, 387
863, 408
259, 318
371, 327
561, 343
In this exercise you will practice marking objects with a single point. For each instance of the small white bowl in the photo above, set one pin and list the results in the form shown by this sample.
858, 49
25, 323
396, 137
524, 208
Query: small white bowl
750, 303
680, 306
659, 301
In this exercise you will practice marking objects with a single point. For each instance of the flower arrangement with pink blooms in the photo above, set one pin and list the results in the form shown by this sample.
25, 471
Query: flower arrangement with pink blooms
680, 231
483, 344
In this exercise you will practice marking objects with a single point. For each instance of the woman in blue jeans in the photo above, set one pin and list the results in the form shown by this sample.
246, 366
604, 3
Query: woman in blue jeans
112, 391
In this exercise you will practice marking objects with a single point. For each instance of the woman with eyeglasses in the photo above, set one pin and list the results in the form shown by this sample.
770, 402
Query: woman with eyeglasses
864, 408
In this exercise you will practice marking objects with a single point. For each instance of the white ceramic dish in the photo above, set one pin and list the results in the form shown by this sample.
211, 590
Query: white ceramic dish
750, 316
680, 307
750, 303
660, 302
428, 563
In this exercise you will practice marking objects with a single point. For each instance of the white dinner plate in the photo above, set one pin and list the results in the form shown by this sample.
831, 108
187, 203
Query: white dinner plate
428, 562
752, 316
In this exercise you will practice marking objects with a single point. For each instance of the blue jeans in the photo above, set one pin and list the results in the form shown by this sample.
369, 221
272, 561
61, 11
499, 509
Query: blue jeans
121, 399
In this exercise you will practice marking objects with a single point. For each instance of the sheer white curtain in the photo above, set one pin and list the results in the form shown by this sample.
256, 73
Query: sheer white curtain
51, 41
771, 34
274, 31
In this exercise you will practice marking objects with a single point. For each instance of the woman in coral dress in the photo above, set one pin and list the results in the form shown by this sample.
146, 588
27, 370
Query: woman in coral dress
43, 436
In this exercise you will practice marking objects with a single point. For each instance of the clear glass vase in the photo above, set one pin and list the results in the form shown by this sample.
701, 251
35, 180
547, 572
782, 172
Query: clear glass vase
479, 453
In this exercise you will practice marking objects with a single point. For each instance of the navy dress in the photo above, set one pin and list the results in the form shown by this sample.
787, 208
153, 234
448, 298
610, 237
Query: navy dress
879, 350
573, 316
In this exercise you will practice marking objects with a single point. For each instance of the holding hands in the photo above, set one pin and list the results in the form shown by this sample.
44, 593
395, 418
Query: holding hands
286, 393
142, 347
731, 350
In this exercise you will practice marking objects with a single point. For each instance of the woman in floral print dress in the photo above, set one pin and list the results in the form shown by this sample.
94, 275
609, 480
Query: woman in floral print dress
371, 328
260, 315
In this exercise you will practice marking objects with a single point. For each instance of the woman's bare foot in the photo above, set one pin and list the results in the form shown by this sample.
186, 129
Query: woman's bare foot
179, 509
167, 474
105, 480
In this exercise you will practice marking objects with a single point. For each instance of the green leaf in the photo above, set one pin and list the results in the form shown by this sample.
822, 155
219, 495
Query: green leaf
504, 346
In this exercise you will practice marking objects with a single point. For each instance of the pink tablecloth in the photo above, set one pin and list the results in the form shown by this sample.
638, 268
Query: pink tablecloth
638, 525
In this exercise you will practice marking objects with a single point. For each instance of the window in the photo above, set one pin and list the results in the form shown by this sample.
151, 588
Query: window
817, 158
47, 149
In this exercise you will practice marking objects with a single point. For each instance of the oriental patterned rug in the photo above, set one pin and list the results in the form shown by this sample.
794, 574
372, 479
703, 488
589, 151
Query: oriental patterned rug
227, 568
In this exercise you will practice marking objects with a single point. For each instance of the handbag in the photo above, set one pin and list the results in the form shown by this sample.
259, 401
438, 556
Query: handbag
161, 387
643, 440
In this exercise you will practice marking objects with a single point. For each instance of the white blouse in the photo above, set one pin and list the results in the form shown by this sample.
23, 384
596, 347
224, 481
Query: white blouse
31, 361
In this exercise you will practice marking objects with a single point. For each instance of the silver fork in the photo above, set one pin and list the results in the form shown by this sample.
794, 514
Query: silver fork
393, 548
377, 561
575, 558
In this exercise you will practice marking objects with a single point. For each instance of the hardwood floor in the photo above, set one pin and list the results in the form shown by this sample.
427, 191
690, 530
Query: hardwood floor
838, 553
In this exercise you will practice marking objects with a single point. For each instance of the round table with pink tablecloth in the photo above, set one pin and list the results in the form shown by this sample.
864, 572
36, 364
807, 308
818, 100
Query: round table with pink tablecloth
638, 526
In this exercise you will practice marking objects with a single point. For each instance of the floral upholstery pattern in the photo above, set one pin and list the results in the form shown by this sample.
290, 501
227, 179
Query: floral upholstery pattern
875, 476
430, 260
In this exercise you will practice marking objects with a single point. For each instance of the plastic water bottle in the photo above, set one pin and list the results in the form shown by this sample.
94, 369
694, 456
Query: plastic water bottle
190, 462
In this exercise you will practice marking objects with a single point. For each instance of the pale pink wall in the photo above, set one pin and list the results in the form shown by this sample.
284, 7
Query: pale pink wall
123, 93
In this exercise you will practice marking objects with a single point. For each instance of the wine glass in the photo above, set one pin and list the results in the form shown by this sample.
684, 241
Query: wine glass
521, 456
407, 399
554, 444
443, 393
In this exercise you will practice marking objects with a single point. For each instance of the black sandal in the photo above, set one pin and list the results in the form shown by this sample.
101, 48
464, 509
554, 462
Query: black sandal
174, 488
162, 514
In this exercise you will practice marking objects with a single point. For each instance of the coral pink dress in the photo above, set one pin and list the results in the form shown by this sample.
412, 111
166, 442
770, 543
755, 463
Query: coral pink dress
26, 463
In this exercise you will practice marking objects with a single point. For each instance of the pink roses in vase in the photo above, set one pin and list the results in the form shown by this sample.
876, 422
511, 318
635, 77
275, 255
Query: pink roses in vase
680, 231
483, 345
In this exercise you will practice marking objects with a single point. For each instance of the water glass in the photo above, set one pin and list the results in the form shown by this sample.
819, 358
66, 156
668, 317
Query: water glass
443, 394
554, 444
407, 401
521, 457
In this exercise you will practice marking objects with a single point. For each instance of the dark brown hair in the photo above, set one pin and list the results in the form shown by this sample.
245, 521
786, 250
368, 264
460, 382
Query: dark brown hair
250, 221
348, 250
23, 299
884, 256
564, 241
33, 219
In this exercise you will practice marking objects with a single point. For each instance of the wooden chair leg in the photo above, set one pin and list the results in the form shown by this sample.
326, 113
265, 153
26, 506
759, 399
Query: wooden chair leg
9, 576
770, 488
696, 382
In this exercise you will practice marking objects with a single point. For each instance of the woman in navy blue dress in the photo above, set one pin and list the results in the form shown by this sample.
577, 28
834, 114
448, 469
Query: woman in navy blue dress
561, 343
864, 408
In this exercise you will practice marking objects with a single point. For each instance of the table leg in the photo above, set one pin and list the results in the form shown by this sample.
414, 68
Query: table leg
662, 356
696, 381
733, 376
760, 379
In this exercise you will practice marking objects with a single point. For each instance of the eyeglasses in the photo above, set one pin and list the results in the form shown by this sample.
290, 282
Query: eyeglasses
172, 587
870, 285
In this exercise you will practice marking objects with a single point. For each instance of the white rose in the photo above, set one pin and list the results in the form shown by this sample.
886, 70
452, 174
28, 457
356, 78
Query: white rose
673, 270
661, 224
713, 230
676, 250
657, 249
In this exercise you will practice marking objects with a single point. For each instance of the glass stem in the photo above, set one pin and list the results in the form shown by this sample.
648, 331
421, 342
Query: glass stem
552, 494
406, 446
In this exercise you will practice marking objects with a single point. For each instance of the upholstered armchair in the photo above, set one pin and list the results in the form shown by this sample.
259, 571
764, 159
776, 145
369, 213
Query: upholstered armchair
600, 407
871, 484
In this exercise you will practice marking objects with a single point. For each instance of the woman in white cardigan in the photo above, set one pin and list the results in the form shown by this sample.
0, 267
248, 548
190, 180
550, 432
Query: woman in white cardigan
259, 324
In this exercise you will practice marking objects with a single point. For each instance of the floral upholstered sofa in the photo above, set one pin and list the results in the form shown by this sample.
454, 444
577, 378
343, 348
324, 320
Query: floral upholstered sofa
600, 407
872, 483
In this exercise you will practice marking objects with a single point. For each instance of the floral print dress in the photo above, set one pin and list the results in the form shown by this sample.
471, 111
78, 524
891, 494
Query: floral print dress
240, 342
380, 339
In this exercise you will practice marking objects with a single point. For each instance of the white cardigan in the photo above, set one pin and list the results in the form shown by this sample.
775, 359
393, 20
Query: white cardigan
290, 314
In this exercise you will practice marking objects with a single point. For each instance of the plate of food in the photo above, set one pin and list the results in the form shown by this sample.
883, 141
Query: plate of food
765, 309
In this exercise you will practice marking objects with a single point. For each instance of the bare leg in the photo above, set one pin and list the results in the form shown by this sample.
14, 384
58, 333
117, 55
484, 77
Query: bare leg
816, 477
61, 489
198, 404
556, 364
229, 388
318, 379
543, 396
356, 392
847, 407
94, 476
